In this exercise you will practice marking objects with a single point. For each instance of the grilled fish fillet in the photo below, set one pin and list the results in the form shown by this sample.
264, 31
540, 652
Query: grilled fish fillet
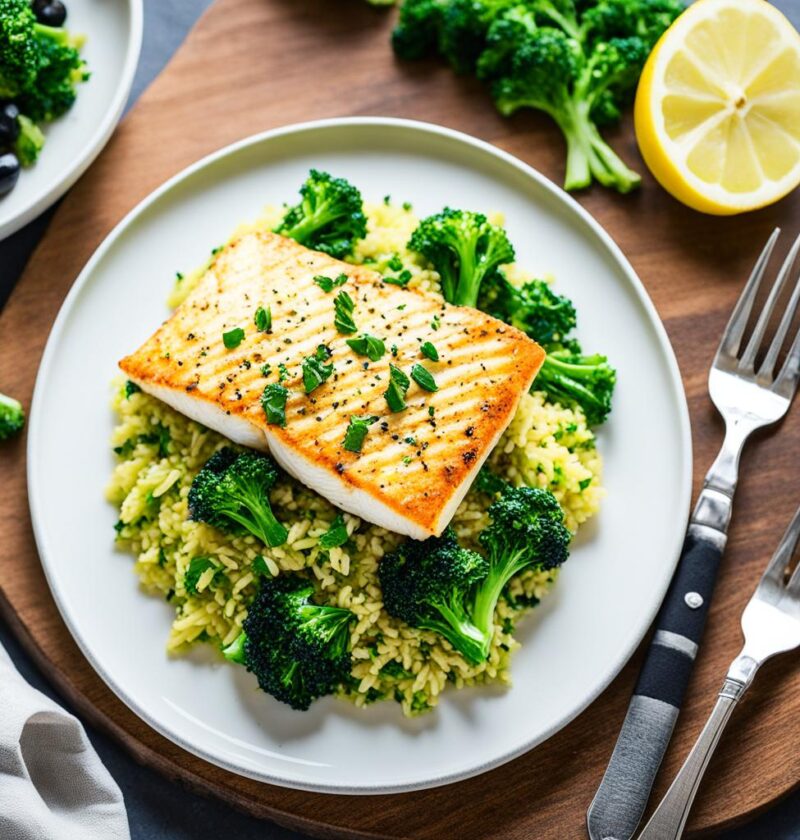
415, 466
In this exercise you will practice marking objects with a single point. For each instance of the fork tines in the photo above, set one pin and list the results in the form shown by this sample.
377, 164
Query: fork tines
728, 356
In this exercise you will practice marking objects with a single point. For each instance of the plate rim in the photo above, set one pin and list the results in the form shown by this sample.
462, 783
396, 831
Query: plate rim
643, 298
102, 134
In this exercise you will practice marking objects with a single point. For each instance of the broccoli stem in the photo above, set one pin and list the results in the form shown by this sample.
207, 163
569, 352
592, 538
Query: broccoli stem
462, 634
261, 521
54, 33
566, 379
588, 154
488, 591
313, 220
470, 275
234, 652
29, 142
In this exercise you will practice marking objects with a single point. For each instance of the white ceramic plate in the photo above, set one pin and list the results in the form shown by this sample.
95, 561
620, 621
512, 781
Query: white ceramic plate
572, 646
114, 37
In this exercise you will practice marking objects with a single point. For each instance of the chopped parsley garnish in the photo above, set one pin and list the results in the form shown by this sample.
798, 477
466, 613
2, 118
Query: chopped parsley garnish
399, 377
357, 432
435, 323
259, 566
315, 371
429, 351
197, 567
343, 319
233, 338
431, 411
423, 377
263, 319
395, 263
584, 483
266, 369
401, 279
395, 394
367, 345
328, 284
395, 397
131, 388
336, 535
273, 401
283, 372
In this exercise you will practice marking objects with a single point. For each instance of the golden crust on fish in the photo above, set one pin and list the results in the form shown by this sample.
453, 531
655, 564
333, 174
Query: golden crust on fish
416, 465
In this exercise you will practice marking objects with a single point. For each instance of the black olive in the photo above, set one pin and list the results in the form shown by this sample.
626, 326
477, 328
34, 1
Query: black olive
9, 123
9, 172
50, 12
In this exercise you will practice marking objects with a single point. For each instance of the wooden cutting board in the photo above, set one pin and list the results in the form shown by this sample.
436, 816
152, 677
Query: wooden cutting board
251, 65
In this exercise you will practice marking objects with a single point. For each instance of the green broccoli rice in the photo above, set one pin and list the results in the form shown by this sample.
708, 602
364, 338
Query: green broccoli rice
209, 578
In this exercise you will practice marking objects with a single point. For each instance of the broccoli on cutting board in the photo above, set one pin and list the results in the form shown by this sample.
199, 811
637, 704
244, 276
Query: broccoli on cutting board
12, 417
579, 63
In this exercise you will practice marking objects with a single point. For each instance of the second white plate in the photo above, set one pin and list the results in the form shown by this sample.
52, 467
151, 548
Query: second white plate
113, 30
572, 646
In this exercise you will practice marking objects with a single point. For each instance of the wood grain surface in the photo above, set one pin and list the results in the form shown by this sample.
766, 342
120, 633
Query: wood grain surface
251, 65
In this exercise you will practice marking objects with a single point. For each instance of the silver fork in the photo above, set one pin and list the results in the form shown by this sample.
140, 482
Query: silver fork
771, 625
748, 398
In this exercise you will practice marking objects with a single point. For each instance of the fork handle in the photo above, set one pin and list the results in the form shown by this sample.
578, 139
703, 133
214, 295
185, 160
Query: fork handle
622, 796
669, 818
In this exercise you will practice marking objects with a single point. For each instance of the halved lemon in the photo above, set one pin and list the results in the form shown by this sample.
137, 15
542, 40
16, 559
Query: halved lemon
717, 111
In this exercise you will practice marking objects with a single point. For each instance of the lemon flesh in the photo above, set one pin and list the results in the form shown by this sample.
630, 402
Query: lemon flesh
717, 111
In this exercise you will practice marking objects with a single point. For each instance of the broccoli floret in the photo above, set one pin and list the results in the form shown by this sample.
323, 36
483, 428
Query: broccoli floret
511, 29
583, 77
61, 68
489, 482
39, 65
439, 585
417, 31
505, 36
464, 248
464, 28
232, 489
569, 378
29, 141
527, 531
533, 308
298, 651
426, 584
329, 218
645, 19
12, 417
550, 73
19, 53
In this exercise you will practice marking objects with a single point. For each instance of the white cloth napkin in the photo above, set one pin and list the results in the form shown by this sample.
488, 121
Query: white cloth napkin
53, 785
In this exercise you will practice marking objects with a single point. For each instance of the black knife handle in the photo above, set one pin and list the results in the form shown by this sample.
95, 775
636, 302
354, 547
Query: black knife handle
622, 796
